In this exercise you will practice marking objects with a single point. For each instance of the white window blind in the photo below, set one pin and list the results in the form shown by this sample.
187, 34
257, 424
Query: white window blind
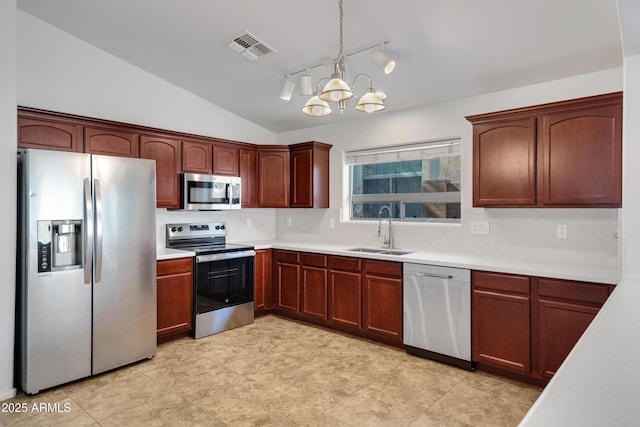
419, 151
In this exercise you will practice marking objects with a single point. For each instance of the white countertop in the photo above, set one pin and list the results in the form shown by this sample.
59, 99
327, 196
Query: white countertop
599, 382
167, 253
580, 272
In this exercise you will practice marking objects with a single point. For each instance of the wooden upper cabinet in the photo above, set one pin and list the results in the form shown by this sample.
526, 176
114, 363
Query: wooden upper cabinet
49, 134
111, 141
225, 160
564, 154
582, 155
249, 178
273, 176
310, 175
504, 163
197, 157
167, 154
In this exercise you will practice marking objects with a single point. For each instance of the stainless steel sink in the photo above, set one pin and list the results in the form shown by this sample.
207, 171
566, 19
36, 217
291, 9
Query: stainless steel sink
379, 251
367, 250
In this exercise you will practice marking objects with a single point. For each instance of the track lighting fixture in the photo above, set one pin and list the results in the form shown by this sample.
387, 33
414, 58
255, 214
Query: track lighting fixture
386, 64
287, 89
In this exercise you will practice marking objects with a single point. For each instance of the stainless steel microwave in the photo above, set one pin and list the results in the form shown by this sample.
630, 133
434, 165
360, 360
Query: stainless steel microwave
210, 192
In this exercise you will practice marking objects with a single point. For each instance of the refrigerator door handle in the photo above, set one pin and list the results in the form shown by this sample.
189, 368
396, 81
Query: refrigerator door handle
98, 198
88, 232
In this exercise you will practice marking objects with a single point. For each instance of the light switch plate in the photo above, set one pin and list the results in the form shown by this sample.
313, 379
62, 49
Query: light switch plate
480, 227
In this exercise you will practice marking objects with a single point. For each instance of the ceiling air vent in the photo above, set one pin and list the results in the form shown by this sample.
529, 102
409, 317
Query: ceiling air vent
250, 46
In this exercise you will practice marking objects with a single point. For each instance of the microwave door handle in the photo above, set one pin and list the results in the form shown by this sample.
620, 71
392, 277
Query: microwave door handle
88, 232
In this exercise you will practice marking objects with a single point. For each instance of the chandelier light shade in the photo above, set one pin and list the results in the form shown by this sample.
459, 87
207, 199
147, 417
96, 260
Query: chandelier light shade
316, 107
370, 102
337, 90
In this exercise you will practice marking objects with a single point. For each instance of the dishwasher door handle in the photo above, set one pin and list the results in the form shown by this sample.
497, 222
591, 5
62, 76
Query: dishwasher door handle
438, 276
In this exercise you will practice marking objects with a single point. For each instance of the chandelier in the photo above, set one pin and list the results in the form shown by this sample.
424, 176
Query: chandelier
336, 90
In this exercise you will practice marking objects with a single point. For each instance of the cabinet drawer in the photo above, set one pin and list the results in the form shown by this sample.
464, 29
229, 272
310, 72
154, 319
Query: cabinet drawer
174, 266
500, 282
573, 291
345, 263
383, 268
313, 260
287, 256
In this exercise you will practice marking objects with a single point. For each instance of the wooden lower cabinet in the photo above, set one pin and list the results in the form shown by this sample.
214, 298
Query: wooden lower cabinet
287, 279
501, 321
361, 297
382, 299
262, 281
524, 327
314, 286
175, 298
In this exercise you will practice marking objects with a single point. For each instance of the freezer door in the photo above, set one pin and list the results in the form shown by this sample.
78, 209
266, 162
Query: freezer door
54, 314
124, 290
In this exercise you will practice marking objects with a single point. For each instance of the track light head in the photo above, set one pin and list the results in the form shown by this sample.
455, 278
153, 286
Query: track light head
386, 64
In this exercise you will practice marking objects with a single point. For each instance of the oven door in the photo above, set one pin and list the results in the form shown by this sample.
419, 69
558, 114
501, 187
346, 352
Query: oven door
223, 280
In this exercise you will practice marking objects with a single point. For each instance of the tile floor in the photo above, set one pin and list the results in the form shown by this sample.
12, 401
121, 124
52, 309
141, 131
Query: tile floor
276, 372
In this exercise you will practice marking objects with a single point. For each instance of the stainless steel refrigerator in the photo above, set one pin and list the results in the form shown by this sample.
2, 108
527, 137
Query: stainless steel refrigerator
86, 265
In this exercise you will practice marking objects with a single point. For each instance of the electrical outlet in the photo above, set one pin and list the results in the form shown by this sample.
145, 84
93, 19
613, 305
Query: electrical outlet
480, 227
249, 222
289, 222
561, 231
332, 223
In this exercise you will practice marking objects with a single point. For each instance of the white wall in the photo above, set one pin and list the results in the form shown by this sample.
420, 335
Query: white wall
522, 234
8, 192
630, 155
59, 72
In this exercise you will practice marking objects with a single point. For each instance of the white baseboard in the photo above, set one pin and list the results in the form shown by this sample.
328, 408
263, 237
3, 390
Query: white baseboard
7, 394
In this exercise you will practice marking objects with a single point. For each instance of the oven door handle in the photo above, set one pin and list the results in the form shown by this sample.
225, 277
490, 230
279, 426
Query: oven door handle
224, 256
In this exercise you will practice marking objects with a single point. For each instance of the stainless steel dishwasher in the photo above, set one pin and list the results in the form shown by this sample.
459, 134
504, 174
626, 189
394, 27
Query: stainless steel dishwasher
437, 313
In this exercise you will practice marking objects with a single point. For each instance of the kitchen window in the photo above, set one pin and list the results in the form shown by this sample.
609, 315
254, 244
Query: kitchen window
420, 182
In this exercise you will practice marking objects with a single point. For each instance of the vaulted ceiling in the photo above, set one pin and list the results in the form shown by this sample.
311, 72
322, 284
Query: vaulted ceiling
444, 49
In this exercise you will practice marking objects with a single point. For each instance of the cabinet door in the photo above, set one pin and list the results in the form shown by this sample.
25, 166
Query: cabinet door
273, 178
582, 157
174, 296
302, 178
315, 286
346, 299
288, 282
501, 330
263, 271
383, 307
175, 302
196, 157
249, 178
49, 134
225, 160
111, 142
167, 153
560, 326
504, 163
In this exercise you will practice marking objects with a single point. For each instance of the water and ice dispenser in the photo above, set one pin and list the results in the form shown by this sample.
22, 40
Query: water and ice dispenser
59, 245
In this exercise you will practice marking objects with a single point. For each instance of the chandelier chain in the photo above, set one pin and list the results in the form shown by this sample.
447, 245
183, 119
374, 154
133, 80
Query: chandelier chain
341, 54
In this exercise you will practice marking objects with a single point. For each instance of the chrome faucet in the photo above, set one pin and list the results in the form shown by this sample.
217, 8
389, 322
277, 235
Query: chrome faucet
389, 240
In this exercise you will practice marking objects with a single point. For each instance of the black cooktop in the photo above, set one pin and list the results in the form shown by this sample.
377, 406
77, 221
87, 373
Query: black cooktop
206, 249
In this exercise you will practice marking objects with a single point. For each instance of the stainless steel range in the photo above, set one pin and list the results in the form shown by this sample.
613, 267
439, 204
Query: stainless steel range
223, 276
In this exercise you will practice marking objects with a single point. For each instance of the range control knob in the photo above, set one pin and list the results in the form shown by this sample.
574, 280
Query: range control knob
180, 229
222, 227
217, 227
173, 229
